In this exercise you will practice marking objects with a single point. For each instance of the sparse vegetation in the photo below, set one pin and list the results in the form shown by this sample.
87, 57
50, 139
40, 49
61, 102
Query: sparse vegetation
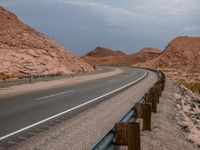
195, 87
3, 77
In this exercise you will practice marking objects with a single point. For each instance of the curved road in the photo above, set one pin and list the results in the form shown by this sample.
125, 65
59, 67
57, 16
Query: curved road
22, 112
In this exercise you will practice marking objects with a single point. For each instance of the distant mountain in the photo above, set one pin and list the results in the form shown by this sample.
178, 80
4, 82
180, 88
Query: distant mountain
102, 52
26, 51
104, 56
145, 54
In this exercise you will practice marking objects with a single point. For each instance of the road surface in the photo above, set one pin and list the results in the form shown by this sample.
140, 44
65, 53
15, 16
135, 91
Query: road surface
22, 112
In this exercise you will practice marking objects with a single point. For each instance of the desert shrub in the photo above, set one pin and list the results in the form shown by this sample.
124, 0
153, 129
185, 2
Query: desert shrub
195, 87
3, 77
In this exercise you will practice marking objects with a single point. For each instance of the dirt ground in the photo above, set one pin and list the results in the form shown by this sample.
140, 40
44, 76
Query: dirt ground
166, 134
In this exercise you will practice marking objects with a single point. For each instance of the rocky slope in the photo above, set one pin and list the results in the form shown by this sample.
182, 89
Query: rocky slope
188, 115
104, 56
181, 53
145, 54
26, 51
180, 58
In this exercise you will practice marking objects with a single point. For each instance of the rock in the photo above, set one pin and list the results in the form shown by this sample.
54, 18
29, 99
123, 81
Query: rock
193, 118
177, 96
192, 113
178, 106
182, 124
198, 127
198, 121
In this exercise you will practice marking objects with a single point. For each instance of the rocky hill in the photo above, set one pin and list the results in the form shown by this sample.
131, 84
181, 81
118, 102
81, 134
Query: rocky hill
180, 58
145, 54
104, 52
181, 53
104, 56
26, 51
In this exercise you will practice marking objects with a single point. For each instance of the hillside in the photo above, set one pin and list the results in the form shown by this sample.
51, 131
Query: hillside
180, 58
181, 53
104, 56
145, 54
26, 51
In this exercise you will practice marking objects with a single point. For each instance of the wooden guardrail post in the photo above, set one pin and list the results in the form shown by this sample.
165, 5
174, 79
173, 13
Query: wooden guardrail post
159, 88
144, 111
153, 101
30, 79
147, 97
133, 136
139, 110
154, 90
147, 116
157, 92
128, 134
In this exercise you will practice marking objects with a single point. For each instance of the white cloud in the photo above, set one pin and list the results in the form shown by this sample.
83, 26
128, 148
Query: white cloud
115, 16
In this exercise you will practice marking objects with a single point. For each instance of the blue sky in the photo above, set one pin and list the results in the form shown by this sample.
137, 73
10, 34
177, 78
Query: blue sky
82, 25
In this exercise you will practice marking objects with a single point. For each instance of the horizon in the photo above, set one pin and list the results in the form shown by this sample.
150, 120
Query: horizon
129, 27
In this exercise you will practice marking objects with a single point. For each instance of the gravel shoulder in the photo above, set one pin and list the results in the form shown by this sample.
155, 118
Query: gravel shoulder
38, 86
83, 130
166, 134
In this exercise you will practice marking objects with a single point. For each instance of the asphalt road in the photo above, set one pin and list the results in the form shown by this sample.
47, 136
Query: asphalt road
22, 112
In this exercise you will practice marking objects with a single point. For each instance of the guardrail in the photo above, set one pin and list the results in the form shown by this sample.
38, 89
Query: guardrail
4, 82
29, 79
35, 78
126, 132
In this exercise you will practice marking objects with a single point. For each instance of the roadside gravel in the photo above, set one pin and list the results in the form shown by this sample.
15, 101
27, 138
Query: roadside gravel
166, 134
83, 130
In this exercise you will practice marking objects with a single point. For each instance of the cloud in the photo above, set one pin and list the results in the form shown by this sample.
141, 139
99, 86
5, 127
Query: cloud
190, 28
128, 24
114, 16
138, 12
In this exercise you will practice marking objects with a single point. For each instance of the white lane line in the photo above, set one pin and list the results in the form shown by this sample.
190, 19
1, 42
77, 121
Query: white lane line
71, 109
53, 95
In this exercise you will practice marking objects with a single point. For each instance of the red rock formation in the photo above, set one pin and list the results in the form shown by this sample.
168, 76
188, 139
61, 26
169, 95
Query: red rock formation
145, 54
104, 52
25, 51
181, 53
104, 56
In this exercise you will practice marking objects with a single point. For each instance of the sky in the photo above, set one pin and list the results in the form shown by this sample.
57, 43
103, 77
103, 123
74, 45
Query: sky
82, 25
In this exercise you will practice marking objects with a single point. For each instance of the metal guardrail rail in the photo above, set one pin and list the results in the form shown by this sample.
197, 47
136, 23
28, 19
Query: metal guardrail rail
108, 141
36, 78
